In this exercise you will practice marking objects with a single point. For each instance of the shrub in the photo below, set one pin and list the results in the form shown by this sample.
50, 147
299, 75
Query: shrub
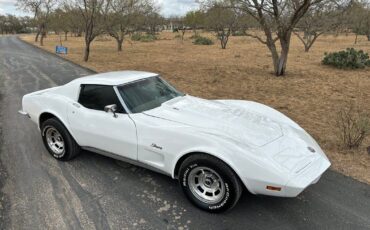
194, 36
202, 41
136, 37
143, 37
347, 59
148, 38
353, 126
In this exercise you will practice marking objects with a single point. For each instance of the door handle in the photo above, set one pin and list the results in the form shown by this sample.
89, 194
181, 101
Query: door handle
76, 105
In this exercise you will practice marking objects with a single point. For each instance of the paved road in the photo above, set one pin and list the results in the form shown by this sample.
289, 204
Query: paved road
96, 192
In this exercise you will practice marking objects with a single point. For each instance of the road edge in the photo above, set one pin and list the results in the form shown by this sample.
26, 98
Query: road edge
4, 203
56, 55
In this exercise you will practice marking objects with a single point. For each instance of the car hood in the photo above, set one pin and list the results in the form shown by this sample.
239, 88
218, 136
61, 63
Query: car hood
239, 124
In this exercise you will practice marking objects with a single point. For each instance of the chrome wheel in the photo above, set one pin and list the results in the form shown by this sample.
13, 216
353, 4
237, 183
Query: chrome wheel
55, 141
206, 185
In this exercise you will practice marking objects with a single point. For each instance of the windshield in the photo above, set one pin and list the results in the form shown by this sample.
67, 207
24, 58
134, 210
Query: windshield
147, 94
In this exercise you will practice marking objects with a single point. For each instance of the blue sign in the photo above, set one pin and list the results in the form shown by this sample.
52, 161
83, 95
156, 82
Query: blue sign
61, 50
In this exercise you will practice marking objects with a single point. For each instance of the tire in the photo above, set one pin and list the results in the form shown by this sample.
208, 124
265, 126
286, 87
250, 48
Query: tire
57, 140
204, 172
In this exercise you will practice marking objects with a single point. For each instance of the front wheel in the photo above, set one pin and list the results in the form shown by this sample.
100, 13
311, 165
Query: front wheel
58, 141
209, 183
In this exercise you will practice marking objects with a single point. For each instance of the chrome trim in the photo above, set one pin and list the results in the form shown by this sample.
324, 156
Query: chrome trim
125, 159
206, 185
138, 80
119, 95
21, 112
121, 99
55, 141
111, 109
142, 79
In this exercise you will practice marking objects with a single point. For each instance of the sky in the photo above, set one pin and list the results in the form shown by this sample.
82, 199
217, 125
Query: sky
176, 7
168, 7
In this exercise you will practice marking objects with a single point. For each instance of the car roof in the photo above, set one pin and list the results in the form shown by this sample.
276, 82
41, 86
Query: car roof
114, 78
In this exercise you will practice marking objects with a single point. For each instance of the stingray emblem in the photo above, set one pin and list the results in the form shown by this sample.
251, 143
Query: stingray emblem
312, 150
156, 146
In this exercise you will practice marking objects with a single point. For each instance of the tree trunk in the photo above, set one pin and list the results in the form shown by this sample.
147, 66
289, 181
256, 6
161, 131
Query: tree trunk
368, 37
280, 61
119, 44
182, 34
37, 36
43, 35
87, 51
283, 59
356, 39
65, 35
306, 48
224, 40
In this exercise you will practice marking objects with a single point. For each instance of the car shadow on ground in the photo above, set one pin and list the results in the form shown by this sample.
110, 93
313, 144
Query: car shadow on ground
272, 211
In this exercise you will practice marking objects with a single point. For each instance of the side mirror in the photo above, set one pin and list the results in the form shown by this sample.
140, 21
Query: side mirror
112, 109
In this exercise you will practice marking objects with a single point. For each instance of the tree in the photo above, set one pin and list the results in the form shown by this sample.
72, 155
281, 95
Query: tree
317, 21
2, 24
92, 15
117, 20
181, 27
367, 25
10, 24
277, 19
223, 21
74, 20
124, 17
359, 19
59, 22
152, 21
41, 10
194, 19
243, 23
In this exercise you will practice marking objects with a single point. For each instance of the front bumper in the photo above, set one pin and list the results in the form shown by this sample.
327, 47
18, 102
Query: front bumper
307, 177
299, 182
23, 113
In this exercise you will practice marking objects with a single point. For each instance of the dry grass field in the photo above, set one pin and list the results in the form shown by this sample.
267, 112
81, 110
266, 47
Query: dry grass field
310, 93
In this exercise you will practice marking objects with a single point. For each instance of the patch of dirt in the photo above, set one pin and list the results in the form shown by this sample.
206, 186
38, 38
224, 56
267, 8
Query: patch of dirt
310, 93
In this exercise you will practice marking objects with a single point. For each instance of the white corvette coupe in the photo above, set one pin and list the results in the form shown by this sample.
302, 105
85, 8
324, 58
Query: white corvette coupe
215, 148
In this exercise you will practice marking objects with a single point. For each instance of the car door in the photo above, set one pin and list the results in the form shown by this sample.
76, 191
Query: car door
93, 127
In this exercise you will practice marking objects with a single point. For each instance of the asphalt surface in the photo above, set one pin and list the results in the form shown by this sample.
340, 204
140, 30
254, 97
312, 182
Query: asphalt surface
96, 192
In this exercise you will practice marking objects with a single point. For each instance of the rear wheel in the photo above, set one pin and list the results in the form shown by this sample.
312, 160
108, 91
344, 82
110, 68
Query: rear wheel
209, 183
58, 141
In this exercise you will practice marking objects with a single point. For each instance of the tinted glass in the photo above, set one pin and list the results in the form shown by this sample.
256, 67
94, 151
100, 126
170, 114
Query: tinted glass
147, 94
98, 96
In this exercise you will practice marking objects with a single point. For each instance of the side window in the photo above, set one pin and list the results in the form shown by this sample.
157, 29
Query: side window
98, 96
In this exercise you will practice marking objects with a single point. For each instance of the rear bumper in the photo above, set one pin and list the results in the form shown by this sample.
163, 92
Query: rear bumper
296, 184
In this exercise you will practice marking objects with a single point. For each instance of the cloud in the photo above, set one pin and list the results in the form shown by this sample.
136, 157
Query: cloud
9, 2
176, 7
8, 7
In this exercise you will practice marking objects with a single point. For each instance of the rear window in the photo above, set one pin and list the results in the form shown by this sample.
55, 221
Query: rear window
98, 96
